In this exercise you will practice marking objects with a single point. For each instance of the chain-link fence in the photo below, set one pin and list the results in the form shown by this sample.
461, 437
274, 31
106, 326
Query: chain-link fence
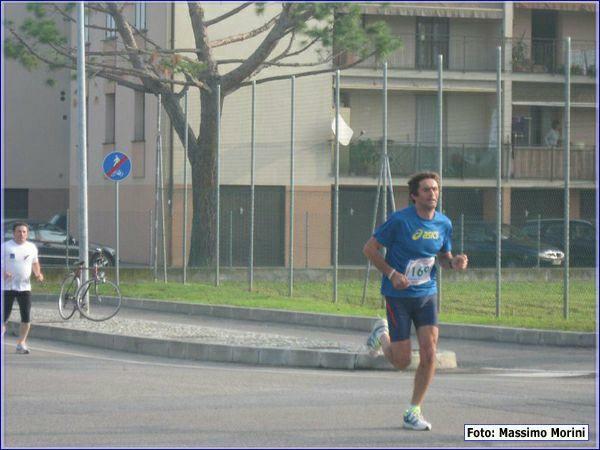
277, 221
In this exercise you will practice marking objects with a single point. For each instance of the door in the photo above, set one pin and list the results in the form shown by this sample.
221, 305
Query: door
432, 40
543, 37
269, 223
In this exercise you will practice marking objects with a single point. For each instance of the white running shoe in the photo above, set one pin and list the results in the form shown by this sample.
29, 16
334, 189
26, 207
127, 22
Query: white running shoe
22, 349
374, 341
413, 420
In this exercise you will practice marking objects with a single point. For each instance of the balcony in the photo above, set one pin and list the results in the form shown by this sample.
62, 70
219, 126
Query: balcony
547, 56
546, 163
478, 54
470, 161
420, 52
406, 158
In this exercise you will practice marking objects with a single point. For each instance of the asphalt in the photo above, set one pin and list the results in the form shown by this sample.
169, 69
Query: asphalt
284, 338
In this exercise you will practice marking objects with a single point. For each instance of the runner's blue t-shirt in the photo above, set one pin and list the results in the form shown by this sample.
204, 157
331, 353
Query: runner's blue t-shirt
412, 244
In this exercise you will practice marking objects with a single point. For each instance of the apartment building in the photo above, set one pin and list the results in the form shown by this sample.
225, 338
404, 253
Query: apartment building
466, 34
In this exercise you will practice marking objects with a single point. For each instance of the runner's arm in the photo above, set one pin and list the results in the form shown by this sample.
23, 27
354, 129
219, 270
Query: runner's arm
458, 262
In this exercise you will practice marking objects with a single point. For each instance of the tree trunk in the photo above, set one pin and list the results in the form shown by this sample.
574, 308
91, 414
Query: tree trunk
204, 183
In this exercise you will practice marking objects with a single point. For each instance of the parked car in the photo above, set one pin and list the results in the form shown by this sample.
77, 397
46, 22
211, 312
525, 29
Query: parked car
517, 249
60, 220
582, 238
51, 242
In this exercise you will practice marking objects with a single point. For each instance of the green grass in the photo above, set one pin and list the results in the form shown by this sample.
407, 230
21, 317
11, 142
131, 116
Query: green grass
524, 304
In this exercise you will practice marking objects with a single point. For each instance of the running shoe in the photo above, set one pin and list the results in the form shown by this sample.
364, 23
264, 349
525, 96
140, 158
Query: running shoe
374, 341
413, 420
22, 349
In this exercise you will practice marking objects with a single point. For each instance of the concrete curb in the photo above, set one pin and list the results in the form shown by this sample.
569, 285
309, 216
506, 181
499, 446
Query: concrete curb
282, 357
361, 323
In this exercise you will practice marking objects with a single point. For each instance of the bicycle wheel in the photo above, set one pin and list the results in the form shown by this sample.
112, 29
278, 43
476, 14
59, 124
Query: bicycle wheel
99, 300
66, 299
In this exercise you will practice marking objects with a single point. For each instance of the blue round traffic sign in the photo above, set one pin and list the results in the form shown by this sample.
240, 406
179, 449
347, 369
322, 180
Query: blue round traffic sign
116, 166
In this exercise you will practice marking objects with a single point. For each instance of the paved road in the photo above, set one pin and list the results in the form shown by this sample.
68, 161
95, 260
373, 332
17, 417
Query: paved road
67, 395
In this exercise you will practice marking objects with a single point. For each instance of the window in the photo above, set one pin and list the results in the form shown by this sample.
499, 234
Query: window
139, 112
16, 203
140, 16
111, 31
432, 40
109, 136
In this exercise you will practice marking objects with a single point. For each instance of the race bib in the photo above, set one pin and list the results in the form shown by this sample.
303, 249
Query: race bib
418, 271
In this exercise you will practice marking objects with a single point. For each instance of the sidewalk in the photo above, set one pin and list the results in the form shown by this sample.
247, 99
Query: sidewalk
271, 337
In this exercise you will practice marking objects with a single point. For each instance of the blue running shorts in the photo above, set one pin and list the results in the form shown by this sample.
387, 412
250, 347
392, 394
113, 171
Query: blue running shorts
401, 311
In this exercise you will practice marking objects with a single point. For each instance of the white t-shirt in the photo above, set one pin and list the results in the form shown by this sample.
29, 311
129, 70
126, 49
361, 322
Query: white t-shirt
17, 260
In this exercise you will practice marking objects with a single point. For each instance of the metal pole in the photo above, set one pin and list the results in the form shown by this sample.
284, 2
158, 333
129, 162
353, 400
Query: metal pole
292, 139
185, 194
374, 222
81, 110
385, 139
156, 190
336, 197
567, 174
230, 239
462, 232
440, 117
117, 254
150, 239
539, 233
498, 180
162, 197
252, 181
306, 240
68, 238
218, 192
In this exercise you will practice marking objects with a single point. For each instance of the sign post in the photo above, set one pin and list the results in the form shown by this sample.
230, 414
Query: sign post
116, 167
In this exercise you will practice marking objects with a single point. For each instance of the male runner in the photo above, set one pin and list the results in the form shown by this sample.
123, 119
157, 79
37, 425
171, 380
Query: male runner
413, 237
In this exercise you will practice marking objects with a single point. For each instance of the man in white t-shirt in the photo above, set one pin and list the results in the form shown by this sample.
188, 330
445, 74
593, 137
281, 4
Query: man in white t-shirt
19, 259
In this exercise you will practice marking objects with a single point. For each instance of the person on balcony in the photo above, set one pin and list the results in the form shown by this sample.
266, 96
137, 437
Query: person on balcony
553, 135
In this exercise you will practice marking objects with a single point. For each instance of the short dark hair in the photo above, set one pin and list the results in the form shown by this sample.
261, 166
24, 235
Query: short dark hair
555, 123
19, 224
415, 180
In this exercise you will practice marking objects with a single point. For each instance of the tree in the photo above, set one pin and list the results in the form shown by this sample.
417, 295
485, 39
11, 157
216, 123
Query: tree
334, 28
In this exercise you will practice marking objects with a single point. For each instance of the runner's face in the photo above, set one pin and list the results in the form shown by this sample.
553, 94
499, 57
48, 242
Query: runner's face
427, 195
20, 234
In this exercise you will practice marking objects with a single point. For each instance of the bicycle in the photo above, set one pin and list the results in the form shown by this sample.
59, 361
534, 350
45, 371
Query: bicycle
97, 299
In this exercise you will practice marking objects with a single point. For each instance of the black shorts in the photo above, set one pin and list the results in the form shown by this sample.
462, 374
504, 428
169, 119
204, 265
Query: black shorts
402, 311
24, 299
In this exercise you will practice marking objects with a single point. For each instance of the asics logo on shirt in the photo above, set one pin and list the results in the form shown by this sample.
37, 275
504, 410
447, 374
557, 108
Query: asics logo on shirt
420, 234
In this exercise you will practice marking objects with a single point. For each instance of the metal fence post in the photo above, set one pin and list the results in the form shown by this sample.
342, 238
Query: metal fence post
498, 180
185, 201
440, 117
292, 149
218, 192
567, 174
336, 197
252, 181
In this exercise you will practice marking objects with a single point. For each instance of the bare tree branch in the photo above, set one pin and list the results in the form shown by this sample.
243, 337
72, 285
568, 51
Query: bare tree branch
218, 19
306, 74
203, 50
288, 55
243, 36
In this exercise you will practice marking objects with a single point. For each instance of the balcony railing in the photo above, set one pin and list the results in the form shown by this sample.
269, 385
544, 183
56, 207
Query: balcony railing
463, 53
541, 162
548, 56
478, 53
471, 161
406, 158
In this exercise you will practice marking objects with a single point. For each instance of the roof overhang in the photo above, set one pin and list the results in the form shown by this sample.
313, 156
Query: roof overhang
464, 11
570, 6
